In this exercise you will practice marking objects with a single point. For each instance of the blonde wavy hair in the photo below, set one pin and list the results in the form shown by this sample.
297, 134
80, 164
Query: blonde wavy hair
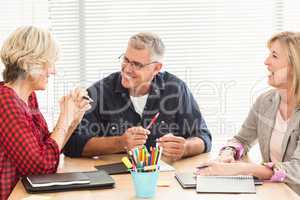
27, 46
290, 41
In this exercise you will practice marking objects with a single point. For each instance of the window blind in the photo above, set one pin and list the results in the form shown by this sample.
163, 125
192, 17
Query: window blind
217, 47
15, 13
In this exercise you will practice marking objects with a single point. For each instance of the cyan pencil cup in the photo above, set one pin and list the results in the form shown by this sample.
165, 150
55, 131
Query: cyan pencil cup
145, 183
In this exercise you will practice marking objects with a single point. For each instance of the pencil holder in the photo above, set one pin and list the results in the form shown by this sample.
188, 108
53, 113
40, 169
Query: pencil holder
145, 183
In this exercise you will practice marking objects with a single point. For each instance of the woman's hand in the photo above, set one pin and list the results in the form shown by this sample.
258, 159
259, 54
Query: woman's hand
72, 109
226, 156
73, 106
214, 168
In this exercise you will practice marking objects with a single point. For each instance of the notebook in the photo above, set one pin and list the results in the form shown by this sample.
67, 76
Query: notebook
188, 180
164, 167
97, 180
120, 168
225, 184
58, 179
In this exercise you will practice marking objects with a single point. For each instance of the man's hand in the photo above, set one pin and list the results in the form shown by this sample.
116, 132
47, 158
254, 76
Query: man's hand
134, 137
173, 147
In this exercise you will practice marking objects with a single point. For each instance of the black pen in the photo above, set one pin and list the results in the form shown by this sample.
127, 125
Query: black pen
202, 167
88, 98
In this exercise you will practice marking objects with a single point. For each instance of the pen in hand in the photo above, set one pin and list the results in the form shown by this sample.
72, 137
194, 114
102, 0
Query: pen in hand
202, 167
88, 98
153, 120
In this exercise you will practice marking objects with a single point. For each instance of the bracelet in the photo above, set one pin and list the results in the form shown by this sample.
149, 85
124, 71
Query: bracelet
278, 173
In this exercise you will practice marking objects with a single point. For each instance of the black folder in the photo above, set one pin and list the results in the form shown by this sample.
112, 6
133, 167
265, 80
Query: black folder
98, 180
115, 168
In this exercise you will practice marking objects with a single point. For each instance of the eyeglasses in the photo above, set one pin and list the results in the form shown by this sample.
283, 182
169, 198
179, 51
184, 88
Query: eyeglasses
134, 64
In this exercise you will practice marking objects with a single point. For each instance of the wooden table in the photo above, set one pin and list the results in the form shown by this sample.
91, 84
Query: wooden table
124, 186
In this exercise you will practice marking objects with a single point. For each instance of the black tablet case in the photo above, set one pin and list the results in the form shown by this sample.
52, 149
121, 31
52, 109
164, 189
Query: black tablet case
115, 168
99, 180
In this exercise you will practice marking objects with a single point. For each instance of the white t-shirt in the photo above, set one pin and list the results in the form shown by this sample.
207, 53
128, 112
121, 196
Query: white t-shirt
139, 103
277, 137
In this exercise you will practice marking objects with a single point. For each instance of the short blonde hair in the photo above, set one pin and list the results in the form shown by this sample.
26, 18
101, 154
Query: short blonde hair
25, 46
290, 41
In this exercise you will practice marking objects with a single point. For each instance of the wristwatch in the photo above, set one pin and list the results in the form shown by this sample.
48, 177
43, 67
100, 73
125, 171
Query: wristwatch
238, 150
232, 149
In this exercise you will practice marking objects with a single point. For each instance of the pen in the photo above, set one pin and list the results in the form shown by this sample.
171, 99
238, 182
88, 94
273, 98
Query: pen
131, 157
159, 155
153, 120
88, 98
202, 167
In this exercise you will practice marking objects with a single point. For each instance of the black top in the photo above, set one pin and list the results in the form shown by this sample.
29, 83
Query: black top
113, 112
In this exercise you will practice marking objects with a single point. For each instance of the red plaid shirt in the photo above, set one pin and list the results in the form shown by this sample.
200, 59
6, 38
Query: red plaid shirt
25, 145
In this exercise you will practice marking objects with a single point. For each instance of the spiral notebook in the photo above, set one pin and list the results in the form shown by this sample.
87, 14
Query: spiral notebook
225, 184
186, 179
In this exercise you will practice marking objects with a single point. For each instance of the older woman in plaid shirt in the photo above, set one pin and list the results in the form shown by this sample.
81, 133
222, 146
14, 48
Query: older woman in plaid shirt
26, 145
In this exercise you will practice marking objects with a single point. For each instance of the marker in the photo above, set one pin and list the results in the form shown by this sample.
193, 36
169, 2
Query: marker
150, 168
126, 162
88, 98
153, 120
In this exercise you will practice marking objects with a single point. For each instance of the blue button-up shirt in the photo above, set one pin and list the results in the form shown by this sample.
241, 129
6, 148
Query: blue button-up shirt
112, 112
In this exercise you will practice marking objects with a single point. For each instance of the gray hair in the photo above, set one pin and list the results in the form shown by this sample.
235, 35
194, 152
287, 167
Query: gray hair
151, 41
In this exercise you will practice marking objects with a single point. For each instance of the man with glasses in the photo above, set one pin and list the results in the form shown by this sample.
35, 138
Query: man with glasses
140, 105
